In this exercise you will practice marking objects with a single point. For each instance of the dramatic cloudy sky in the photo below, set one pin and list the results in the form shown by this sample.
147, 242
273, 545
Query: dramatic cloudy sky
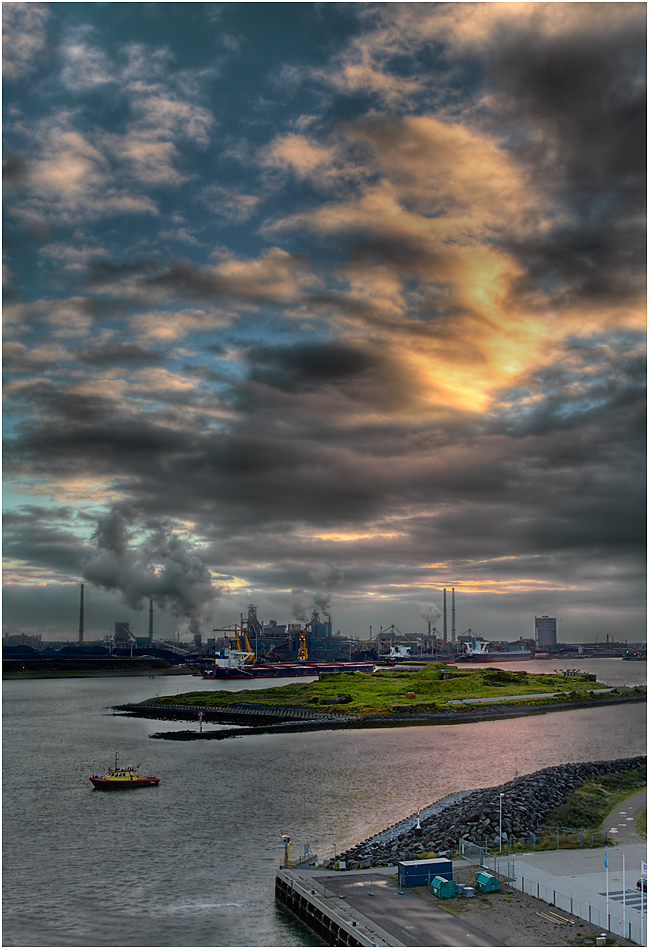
325, 304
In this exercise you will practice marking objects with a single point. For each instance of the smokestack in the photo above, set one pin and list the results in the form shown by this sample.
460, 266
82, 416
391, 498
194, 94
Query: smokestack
444, 614
453, 614
150, 621
81, 615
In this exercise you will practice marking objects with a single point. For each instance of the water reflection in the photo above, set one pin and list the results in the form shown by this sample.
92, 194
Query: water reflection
191, 863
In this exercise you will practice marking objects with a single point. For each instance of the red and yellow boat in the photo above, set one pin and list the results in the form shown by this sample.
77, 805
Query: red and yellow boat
120, 778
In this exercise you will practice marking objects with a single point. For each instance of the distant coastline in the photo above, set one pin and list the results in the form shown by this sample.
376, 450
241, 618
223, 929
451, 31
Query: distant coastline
53, 668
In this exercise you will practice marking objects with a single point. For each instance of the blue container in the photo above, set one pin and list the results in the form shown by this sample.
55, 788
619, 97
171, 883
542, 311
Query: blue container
417, 873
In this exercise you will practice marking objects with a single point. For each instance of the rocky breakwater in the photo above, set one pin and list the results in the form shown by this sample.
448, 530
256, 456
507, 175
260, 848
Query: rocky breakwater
527, 801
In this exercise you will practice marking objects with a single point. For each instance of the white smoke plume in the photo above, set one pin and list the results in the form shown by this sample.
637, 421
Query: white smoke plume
430, 612
327, 576
303, 603
159, 565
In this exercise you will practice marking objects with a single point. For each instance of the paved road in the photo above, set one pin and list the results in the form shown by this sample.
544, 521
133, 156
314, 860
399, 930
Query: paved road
414, 921
497, 699
580, 876
620, 824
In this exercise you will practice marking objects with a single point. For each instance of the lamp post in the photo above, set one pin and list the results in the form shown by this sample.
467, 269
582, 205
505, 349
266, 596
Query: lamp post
286, 839
500, 819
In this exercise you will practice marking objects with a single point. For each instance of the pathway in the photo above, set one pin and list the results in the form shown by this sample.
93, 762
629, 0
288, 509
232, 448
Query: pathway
620, 824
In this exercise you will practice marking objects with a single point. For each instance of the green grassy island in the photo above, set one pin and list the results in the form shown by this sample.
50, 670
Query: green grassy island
389, 691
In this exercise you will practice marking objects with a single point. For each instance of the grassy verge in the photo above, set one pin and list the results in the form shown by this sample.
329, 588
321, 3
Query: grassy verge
590, 803
389, 691
642, 824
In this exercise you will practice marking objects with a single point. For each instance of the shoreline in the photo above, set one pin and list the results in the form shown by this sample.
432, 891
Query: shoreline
238, 727
475, 815
72, 674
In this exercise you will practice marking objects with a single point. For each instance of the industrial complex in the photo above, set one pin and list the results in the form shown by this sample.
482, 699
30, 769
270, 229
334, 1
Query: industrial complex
274, 641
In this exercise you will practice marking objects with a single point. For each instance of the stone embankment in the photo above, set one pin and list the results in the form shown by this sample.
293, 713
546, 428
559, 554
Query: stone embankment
527, 801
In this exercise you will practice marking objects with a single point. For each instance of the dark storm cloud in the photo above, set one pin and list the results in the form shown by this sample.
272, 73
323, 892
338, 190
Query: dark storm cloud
275, 278
35, 535
118, 354
102, 272
71, 433
307, 365
14, 168
567, 473
395, 394
63, 407
574, 106
597, 384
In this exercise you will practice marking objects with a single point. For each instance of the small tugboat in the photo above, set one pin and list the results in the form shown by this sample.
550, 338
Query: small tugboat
123, 778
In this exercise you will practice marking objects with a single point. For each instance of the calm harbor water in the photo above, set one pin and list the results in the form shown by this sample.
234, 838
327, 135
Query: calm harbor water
191, 863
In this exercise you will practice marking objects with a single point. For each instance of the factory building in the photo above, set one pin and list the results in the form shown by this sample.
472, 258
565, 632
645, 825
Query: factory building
22, 640
123, 633
545, 631
320, 628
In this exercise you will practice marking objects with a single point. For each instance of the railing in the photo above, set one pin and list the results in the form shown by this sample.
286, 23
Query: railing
295, 858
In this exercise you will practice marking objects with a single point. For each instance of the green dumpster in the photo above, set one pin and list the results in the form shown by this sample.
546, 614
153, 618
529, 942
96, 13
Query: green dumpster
486, 882
440, 887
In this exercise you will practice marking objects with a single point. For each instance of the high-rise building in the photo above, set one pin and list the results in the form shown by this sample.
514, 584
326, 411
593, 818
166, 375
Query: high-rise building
545, 631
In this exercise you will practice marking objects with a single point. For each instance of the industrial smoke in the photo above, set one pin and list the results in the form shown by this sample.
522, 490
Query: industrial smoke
147, 560
303, 602
430, 612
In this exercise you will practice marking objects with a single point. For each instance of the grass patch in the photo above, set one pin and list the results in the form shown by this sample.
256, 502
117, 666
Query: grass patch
590, 803
642, 824
382, 691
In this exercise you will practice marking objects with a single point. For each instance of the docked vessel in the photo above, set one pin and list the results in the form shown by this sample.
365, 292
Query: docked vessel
400, 655
476, 651
242, 665
121, 778
231, 666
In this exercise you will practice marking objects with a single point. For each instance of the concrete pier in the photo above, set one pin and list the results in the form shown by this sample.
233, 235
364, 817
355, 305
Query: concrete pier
368, 909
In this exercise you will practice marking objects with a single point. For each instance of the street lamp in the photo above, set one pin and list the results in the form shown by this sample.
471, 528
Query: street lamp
286, 839
500, 820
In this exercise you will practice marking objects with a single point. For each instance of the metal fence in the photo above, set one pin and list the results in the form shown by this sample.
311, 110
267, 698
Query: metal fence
471, 852
570, 838
629, 929
632, 927
549, 839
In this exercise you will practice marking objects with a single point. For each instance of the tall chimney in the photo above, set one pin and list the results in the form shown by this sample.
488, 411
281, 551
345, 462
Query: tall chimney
81, 615
453, 614
150, 621
444, 614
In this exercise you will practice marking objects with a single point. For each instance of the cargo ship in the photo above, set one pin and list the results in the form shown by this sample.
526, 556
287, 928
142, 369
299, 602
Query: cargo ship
238, 665
477, 651
401, 655
241, 665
